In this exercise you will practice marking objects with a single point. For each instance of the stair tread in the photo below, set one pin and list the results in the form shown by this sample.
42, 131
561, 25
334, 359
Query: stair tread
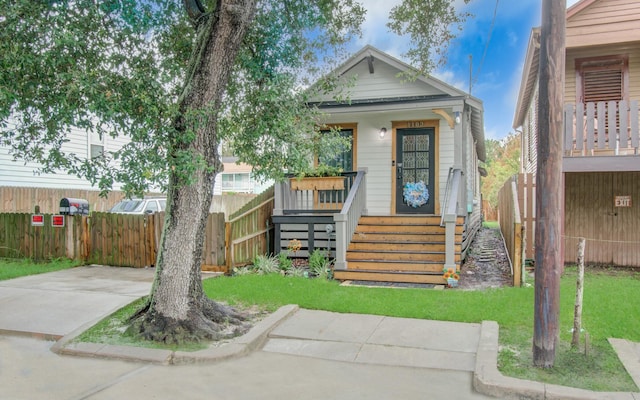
395, 251
375, 271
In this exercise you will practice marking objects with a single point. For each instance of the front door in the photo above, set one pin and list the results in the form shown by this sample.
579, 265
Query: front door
415, 171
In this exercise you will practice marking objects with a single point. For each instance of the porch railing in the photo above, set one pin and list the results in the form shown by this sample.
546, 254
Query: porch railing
347, 220
343, 207
289, 201
450, 215
603, 128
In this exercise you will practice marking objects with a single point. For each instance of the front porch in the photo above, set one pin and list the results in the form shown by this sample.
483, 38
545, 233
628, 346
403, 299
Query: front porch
410, 248
601, 136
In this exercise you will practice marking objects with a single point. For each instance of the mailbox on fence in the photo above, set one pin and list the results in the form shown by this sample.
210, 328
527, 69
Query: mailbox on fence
69, 206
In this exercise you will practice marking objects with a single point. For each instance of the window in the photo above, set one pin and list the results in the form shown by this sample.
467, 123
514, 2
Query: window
96, 145
97, 150
602, 78
344, 159
236, 182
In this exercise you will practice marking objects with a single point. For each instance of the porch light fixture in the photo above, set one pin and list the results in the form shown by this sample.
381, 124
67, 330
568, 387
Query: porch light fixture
457, 113
383, 131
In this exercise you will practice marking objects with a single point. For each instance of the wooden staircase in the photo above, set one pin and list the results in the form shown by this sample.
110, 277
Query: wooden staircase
408, 249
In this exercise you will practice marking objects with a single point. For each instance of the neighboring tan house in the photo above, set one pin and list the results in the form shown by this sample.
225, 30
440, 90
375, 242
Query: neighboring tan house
237, 178
601, 157
414, 175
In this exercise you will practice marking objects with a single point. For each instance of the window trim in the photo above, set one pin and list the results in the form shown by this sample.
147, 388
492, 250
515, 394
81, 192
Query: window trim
613, 62
352, 126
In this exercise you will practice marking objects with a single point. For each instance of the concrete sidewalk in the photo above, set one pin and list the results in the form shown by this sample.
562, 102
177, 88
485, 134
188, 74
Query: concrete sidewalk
55, 304
292, 353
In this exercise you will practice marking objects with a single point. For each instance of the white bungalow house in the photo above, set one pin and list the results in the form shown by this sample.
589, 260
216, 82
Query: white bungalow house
411, 203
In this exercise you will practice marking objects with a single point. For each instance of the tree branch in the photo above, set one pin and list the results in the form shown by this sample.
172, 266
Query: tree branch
195, 9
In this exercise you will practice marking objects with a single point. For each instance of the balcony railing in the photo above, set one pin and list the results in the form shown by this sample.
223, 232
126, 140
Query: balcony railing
601, 129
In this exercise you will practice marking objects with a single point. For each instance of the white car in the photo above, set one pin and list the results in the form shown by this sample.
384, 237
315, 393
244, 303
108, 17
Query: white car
140, 206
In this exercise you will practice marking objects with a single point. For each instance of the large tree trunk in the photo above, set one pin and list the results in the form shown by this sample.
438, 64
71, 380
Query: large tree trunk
178, 310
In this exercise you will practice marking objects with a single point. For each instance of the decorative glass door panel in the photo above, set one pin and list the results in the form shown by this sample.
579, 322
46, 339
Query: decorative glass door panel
415, 171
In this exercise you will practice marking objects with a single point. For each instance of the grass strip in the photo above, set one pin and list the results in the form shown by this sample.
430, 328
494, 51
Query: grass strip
14, 268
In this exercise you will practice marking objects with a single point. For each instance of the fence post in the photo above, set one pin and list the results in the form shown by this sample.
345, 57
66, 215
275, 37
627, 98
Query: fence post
228, 247
70, 250
577, 317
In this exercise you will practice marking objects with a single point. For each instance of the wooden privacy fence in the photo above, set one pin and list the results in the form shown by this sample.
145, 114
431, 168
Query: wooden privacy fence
527, 203
511, 227
249, 231
102, 238
133, 240
123, 240
20, 239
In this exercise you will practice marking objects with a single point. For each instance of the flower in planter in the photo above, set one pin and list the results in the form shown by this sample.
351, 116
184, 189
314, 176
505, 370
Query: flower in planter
451, 276
294, 245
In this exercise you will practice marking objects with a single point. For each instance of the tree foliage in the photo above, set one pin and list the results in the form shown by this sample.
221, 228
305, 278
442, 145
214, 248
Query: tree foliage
503, 161
431, 25
117, 68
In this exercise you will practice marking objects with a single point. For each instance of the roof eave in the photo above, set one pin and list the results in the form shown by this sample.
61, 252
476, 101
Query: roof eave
529, 77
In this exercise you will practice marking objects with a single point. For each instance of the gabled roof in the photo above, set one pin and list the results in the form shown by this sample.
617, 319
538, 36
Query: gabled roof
579, 6
372, 55
441, 92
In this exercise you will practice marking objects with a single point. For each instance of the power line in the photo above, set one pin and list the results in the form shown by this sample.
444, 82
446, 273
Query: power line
486, 47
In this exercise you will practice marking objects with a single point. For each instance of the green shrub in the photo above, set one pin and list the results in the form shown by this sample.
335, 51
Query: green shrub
319, 264
264, 265
284, 262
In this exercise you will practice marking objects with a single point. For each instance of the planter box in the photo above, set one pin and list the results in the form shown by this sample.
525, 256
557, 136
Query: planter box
318, 183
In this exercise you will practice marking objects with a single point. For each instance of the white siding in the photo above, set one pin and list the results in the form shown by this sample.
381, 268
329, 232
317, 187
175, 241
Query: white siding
21, 174
383, 83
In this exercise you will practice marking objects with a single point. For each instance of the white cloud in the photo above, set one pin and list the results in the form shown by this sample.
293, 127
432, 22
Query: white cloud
450, 78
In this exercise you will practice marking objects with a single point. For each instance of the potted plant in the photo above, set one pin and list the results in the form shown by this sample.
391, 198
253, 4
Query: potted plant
321, 177
451, 276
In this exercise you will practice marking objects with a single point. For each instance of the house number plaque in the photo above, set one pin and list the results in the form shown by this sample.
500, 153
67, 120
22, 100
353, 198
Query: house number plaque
415, 124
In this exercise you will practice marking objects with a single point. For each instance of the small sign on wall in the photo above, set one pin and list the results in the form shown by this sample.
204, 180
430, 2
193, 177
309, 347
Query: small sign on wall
37, 220
57, 221
623, 201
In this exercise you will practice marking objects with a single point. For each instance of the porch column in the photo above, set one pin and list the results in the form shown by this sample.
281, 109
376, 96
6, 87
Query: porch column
278, 200
341, 241
460, 146
450, 241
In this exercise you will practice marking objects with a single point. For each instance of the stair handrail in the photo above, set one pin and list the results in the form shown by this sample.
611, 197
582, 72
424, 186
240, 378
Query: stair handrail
450, 203
449, 215
347, 220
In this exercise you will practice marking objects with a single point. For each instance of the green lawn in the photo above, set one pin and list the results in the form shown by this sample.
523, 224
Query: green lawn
10, 268
609, 311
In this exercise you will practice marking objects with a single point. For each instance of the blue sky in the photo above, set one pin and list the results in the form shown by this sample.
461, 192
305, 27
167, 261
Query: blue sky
497, 77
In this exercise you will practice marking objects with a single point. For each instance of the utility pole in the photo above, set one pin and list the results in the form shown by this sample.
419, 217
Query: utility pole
550, 188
